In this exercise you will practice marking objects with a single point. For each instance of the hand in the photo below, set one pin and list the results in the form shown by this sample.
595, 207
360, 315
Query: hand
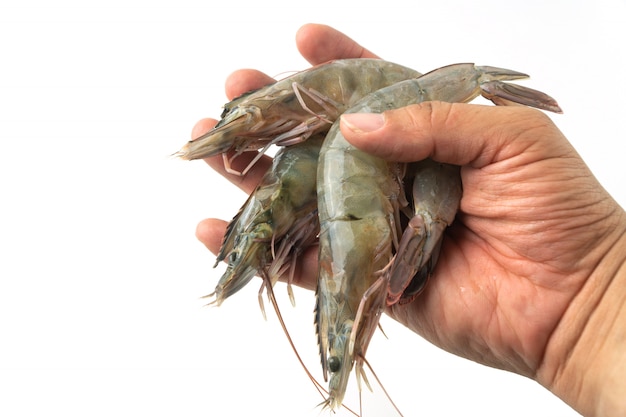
529, 277
529, 270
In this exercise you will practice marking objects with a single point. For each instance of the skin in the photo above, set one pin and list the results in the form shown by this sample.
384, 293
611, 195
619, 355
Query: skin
532, 275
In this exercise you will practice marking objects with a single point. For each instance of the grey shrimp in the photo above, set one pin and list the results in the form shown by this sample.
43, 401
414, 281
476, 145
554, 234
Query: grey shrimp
294, 108
278, 221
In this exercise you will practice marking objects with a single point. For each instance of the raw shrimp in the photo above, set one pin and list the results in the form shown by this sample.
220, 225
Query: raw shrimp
294, 108
358, 199
436, 194
277, 222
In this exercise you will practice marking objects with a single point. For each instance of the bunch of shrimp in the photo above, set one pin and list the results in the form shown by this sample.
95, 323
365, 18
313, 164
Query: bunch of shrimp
355, 205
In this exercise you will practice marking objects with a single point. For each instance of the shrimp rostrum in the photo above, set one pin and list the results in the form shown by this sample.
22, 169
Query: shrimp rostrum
359, 198
294, 108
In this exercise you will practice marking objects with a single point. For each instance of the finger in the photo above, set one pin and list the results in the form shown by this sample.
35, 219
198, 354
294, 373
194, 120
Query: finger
245, 80
455, 133
246, 182
201, 127
321, 43
211, 233
317, 43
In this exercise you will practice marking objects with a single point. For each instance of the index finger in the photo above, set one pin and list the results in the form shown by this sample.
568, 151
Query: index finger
321, 43
317, 44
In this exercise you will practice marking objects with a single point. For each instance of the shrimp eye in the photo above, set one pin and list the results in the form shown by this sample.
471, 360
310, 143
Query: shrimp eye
334, 364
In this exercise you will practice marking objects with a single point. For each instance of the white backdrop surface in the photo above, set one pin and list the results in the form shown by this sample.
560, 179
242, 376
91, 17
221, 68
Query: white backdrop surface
100, 273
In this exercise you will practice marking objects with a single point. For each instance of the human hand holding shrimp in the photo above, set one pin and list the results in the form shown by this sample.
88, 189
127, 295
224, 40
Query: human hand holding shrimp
531, 277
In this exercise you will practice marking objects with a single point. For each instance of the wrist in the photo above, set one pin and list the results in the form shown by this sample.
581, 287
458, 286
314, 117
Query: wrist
585, 360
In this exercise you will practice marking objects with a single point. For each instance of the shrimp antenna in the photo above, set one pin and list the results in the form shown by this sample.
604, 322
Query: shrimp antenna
381, 386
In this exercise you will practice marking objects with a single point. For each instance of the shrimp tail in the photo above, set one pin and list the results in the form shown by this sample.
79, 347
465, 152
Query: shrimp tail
437, 192
507, 94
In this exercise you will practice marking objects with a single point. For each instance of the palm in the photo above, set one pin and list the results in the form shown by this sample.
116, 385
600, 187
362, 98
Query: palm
502, 282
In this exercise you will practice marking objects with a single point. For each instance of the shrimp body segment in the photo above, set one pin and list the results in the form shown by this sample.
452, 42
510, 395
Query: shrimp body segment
358, 201
295, 107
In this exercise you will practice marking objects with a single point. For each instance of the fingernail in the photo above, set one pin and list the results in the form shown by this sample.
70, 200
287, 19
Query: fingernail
363, 122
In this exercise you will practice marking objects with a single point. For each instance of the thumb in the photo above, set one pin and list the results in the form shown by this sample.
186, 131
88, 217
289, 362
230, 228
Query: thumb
453, 133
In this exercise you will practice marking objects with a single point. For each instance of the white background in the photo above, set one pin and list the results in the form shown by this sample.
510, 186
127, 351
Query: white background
100, 272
